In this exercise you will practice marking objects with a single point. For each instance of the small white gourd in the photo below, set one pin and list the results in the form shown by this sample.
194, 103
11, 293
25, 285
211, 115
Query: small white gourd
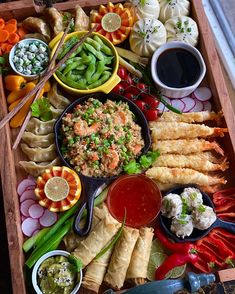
146, 36
171, 8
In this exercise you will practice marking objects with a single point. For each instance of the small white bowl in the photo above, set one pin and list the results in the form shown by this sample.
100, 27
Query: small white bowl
12, 54
177, 92
38, 263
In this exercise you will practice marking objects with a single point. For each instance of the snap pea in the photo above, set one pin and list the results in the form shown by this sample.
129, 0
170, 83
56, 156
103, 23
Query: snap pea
99, 71
105, 76
90, 69
97, 54
104, 48
93, 43
81, 84
67, 46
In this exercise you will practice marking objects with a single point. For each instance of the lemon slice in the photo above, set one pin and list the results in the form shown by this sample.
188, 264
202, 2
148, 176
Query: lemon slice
111, 22
56, 189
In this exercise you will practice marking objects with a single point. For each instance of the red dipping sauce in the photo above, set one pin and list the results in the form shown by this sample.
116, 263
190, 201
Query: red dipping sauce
139, 195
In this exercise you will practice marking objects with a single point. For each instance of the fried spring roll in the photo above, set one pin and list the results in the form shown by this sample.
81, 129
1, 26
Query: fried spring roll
137, 270
95, 272
175, 130
185, 146
183, 176
197, 161
120, 258
97, 239
190, 117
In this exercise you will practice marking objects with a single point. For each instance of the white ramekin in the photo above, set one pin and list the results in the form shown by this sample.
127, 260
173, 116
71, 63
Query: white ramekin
176, 92
38, 263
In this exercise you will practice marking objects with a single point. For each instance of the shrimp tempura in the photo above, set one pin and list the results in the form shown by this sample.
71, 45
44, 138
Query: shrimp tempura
195, 161
183, 176
185, 146
175, 130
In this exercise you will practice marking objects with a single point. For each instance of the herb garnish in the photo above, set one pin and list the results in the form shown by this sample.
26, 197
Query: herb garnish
41, 109
201, 208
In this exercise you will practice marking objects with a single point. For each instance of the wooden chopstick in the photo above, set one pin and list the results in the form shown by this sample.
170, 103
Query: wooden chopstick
27, 118
44, 79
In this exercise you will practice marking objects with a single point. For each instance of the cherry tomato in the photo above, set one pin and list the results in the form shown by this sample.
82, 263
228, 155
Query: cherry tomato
151, 114
119, 89
142, 87
130, 96
150, 100
129, 80
133, 90
122, 73
141, 104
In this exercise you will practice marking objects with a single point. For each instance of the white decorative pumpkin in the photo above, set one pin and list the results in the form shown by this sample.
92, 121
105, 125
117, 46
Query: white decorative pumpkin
146, 8
171, 8
182, 28
146, 36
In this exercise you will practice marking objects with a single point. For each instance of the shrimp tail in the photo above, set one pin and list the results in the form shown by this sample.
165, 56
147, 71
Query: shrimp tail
210, 189
217, 148
220, 131
218, 118
224, 164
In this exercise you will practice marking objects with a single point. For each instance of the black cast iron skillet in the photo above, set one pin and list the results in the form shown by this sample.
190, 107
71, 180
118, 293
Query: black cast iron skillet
196, 234
90, 185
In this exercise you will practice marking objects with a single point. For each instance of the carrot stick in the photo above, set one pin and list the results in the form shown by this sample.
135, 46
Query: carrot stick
2, 23
12, 21
10, 28
4, 34
13, 38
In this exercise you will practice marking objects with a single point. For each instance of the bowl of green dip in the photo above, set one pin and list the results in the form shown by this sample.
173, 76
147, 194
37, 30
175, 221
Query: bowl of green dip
54, 273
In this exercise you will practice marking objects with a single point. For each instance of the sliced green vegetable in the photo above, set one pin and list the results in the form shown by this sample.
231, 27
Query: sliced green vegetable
132, 167
31, 242
76, 262
115, 239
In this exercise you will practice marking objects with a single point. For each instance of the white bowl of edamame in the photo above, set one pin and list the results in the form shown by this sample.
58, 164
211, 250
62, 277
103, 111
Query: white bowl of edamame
29, 58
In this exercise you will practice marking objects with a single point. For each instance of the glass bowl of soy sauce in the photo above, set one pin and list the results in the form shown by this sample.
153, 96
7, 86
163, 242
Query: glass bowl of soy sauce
177, 68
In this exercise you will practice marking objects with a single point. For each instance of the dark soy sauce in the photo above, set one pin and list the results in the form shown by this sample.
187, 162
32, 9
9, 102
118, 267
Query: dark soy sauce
178, 68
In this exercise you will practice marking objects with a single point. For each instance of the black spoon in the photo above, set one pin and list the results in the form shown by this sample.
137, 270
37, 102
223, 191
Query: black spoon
90, 185
196, 234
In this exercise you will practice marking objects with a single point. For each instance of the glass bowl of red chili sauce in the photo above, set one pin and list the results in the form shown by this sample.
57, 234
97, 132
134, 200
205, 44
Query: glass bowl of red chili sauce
139, 196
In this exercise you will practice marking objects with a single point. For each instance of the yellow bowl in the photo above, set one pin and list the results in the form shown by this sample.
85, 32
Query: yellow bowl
108, 85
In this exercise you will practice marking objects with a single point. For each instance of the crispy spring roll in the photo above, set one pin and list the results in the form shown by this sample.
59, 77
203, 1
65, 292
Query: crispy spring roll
137, 270
97, 239
95, 272
72, 239
121, 257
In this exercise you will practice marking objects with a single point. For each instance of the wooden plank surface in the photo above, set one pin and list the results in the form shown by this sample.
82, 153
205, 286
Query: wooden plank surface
10, 175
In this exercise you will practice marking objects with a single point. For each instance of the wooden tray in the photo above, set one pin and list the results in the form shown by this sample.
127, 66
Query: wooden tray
11, 174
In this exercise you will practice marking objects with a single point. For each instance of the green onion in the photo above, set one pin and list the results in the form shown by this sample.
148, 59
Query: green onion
31, 242
115, 239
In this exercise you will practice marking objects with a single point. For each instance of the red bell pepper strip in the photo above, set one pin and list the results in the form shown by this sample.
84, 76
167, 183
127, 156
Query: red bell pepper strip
225, 193
183, 253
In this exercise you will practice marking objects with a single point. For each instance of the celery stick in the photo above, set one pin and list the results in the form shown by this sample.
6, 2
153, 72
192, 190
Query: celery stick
31, 242
48, 246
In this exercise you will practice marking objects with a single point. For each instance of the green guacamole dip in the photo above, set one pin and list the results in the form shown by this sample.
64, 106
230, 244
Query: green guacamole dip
57, 275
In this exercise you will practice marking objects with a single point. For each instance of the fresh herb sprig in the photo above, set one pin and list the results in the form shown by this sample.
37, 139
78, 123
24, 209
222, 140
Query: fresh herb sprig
41, 109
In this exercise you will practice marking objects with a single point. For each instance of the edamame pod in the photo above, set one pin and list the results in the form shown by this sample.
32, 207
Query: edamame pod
76, 52
90, 69
67, 46
72, 66
93, 43
81, 84
108, 60
97, 54
105, 76
99, 71
104, 48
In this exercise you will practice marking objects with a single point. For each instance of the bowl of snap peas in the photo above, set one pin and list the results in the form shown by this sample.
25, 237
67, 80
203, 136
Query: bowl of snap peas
91, 68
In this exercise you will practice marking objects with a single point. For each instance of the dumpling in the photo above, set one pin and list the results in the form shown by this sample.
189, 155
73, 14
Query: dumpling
203, 217
37, 25
182, 225
182, 28
56, 99
36, 169
38, 140
146, 36
192, 197
150, 8
169, 9
81, 20
171, 205
56, 19
39, 127
56, 111
39, 154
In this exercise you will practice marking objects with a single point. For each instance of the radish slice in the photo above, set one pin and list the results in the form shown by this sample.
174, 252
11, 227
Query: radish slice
179, 104
32, 179
202, 93
48, 218
197, 107
23, 218
207, 106
23, 185
24, 207
189, 103
35, 232
36, 211
28, 194
161, 107
30, 187
29, 226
